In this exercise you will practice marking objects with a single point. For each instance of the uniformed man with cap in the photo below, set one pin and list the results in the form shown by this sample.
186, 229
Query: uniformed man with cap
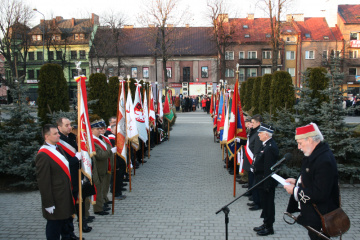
263, 161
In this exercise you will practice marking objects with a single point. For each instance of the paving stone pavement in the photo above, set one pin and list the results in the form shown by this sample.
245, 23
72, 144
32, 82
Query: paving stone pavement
175, 196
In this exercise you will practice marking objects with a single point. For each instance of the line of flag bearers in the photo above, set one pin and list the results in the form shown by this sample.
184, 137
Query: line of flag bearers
82, 166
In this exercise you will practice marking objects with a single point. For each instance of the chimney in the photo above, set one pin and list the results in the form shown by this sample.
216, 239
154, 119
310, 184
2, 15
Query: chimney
54, 21
170, 25
73, 22
295, 17
250, 16
187, 25
129, 26
41, 21
223, 18
151, 25
94, 19
59, 18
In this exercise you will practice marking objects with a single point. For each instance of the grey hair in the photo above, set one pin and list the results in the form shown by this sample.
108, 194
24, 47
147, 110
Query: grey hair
317, 138
269, 134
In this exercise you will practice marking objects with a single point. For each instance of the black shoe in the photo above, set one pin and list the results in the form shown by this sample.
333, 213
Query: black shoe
124, 184
266, 231
258, 229
247, 194
123, 189
245, 185
107, 209
231, 172
241, 181
109, 202
91, 217
254, 208
126, 180
105, 205
144, 161
86, 229
251, 204
101, 213
89, 220
251, 198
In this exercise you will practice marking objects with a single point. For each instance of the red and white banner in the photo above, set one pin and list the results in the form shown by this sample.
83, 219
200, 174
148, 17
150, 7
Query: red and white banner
139, 114
132, 133
121, 125
152, 118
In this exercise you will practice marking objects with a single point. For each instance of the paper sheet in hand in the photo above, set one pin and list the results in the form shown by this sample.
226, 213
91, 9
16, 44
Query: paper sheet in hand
279, 179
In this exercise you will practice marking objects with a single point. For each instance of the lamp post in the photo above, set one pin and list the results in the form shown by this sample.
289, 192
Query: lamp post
43, 34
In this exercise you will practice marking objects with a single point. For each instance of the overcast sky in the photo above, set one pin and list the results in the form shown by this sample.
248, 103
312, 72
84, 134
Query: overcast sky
196, 8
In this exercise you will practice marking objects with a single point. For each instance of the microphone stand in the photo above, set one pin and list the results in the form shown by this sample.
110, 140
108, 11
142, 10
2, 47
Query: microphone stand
225, 208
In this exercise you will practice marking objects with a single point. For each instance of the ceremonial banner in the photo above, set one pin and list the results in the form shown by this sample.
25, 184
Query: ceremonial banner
152, 117
121, 126
226, 126
212, 105
131, 130
86, 137
146, 111
168, 112
160, 108
216, 113
222, 120
139, 114
220, 110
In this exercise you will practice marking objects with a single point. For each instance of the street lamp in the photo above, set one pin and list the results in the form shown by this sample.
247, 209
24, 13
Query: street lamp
43, 33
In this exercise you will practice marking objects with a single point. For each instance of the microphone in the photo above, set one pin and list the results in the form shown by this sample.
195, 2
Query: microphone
287, 156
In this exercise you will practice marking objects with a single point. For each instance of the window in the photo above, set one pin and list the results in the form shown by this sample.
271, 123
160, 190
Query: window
82, 36
204, 72
110, 72
134, 72
268, 35
145, 72
354, 36
50, 55
266, 54
307, 35
332, 53
352, 71
169, 72
122, 72
241, 55
82, 54
353, 54
229, 55
37, 73
31, 74
58, 55
242, 74
325, 54
74, 72
291, 71
247, 35
326, 37
76, 36
73, 55
245, 26
265, 71
309, 55
229, 72
252, 72
252, 55
36, 37
39, 55
31, 56
290, 55
290, 39
56, 37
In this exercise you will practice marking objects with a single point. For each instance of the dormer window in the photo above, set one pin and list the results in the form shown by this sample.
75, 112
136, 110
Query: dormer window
307, 35
245, 26
289, 31
56, 37
326, 37
247, 35
268, 35
36, 37
80, 36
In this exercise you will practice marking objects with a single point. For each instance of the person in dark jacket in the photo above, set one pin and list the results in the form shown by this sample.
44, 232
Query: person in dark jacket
318, 180
263, 161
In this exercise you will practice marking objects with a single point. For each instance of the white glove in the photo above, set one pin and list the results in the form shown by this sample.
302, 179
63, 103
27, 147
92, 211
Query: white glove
237, 140
78, 155
113, 150
50, 209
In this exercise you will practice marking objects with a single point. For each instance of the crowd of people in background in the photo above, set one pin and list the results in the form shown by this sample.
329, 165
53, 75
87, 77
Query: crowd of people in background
353, 105
192, 103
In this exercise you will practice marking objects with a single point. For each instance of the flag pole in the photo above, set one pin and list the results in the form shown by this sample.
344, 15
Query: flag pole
149, 118
236, 88
115, 154
79, 171
129, 143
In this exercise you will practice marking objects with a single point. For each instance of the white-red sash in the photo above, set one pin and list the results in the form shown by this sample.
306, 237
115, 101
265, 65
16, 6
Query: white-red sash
108, 128
57, 157
99, 142
67, 148
111, 136
106, 139
249, 153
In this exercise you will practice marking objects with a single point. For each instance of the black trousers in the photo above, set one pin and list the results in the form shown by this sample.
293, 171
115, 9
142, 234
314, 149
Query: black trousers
268, 206
255, 191
314, 236
57, 228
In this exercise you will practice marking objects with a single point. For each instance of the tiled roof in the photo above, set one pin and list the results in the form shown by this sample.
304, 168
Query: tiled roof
139, 42
350, 13
250, 30
317, 29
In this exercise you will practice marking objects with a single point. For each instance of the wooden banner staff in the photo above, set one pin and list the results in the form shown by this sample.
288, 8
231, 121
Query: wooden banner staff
129, 143
236, 120
149, 99
79, 150
115, 154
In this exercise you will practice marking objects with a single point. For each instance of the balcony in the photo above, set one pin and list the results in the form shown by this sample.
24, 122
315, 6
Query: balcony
247, 62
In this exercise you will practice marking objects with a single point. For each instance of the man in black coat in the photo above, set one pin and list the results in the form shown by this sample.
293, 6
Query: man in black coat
263, 161
318, 180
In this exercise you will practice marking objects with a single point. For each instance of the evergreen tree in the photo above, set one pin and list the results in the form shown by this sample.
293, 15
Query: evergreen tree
282, 93
98, 90
242, 94
113, 95
318, 81
264, 99
249, 88
255, 96
52, 90
20, 138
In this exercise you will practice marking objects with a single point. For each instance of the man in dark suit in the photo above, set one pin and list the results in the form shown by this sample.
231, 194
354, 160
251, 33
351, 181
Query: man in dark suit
318, 180
263, 161
54, 181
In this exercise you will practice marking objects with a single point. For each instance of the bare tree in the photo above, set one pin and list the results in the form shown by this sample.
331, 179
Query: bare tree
14, 40
162, 16
275, 8
222, 30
